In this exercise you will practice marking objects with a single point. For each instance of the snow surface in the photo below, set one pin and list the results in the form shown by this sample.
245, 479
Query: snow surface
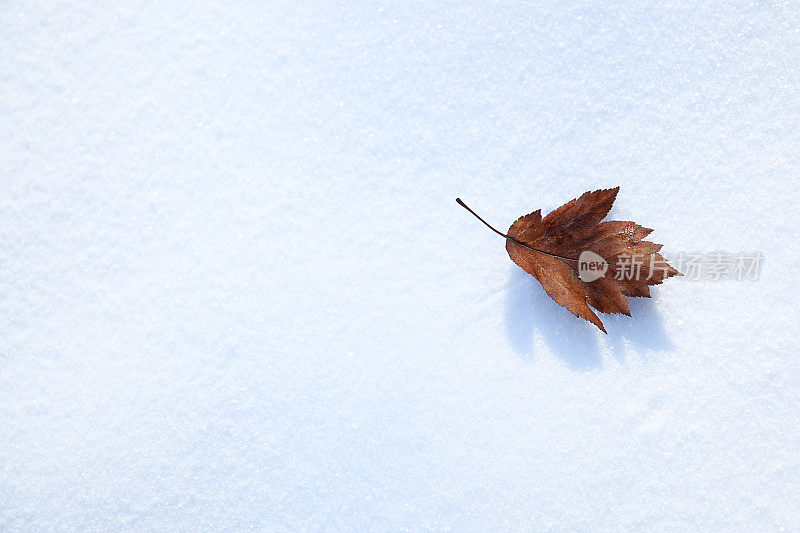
237, 291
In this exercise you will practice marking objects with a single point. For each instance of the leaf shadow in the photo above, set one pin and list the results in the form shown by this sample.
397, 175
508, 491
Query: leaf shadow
530, 314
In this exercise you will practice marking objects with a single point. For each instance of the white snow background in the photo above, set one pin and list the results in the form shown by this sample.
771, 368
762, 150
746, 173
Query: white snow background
236, 290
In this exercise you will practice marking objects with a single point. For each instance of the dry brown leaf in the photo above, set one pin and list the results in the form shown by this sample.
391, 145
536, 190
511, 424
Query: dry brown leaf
566, 251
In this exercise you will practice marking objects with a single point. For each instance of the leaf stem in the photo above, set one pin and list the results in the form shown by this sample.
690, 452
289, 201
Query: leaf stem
462, 204
465, 206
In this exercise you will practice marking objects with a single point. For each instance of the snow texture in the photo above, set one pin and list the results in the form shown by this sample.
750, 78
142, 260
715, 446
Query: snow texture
237, 291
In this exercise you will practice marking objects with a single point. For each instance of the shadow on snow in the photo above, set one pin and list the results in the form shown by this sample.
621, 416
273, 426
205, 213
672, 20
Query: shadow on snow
530, 311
